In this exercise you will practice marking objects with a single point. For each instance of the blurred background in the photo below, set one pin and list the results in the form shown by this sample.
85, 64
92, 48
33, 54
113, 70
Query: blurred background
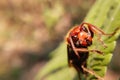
31, 29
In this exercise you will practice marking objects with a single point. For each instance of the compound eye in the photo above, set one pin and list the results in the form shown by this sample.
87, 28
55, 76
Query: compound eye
84, 29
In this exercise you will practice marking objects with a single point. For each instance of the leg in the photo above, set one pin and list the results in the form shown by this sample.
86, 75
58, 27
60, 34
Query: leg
101, 41
86, 50
82, 49
92, 72
99, 36
73, 46
100, 32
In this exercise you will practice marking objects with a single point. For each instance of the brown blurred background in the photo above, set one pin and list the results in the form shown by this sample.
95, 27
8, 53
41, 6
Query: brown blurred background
31, 29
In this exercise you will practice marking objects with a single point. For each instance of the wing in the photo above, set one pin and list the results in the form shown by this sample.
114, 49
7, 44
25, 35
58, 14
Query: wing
70, 54
72, 57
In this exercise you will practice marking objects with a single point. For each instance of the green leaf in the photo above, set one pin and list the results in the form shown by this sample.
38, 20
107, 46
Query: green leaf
105, 14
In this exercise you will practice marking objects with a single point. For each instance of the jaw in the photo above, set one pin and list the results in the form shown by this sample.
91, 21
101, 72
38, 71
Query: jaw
86, 43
